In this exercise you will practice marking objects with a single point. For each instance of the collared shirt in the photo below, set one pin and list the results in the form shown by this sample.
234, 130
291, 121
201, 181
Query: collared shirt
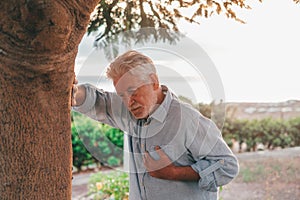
186, 136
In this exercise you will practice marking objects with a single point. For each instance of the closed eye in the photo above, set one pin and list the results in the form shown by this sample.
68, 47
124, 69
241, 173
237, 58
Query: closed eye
131, 92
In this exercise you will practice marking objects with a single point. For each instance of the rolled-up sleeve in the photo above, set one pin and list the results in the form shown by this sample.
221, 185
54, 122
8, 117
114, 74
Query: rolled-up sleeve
214, 161
87, 106
215, 173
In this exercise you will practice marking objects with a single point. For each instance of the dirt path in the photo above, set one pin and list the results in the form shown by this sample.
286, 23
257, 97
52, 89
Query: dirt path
282, 153
79, 185
268, 175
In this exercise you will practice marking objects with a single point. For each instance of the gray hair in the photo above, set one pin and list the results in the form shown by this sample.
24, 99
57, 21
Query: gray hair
132, 62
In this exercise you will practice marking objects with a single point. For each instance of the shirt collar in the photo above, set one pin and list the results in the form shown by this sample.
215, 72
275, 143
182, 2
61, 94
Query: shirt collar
161, 112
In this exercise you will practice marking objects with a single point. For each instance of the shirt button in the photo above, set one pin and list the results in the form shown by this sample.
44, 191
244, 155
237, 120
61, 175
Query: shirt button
222, 162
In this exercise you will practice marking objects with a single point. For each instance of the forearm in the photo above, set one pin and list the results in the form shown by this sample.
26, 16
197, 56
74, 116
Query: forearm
185, 174
176, 173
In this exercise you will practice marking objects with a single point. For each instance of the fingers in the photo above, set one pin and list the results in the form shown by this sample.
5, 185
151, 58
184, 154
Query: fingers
73, 100
75, 81
159, 168
160, 152
150, 164
157, 148
154, 164
74, 91
147, 158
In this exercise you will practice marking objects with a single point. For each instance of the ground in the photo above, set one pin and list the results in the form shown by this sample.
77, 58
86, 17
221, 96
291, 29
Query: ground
269, 175
265, 175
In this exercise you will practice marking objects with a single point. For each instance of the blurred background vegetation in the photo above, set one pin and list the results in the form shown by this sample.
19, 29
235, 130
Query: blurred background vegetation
101, 145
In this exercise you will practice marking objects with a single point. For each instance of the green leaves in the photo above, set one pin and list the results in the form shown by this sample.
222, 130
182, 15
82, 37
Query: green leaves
94, 142
270, 132
113, 17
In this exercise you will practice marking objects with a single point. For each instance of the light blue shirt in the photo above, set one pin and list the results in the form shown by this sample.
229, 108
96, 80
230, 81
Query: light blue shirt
186, 136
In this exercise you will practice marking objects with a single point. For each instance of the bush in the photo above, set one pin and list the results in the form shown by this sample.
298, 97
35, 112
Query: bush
93, 141
81, 156
294, 130
270, 132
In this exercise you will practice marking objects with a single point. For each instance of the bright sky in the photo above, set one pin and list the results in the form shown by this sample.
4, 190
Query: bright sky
258, 61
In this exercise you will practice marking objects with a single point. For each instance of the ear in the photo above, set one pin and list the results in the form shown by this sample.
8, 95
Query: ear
154, 81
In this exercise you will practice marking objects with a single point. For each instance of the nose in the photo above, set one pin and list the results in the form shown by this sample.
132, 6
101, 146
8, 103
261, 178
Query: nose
129, 100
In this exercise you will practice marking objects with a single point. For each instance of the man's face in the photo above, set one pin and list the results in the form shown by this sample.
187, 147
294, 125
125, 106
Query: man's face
139, 96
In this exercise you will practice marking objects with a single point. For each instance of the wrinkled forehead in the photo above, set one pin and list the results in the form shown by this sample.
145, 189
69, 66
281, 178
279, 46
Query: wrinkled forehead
129, 81
135, 77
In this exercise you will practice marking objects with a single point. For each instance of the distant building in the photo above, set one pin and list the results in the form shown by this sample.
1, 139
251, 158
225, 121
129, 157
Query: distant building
281, 110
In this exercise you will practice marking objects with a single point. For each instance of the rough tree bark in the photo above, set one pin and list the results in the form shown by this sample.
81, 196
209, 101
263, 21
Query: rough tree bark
38, 45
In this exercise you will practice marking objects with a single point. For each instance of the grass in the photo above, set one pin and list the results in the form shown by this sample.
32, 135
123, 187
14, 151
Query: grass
270, 169
112, 185
265, 178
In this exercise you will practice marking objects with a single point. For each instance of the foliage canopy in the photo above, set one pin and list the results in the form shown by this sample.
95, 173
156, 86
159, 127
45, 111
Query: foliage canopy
117, 16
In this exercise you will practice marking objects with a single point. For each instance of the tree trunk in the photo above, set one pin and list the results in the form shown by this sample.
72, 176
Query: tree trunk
39, 41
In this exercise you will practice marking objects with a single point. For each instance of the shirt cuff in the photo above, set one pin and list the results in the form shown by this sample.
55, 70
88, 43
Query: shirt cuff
90, 99
206, 169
